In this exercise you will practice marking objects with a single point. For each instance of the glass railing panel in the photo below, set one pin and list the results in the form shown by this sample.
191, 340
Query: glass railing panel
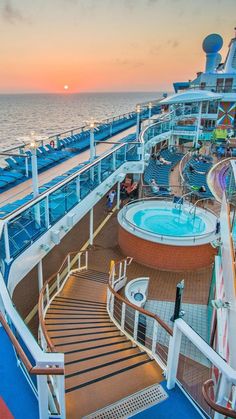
107, 167
88, 181
57, 204
71, 194
26, 227
94, 177
120, 156
132, 152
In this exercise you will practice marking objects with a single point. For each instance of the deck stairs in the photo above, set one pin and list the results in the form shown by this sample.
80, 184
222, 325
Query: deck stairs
101, 365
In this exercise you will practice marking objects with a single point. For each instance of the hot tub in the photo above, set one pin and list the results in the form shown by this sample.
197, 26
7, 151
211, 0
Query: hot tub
136, 290
167, 236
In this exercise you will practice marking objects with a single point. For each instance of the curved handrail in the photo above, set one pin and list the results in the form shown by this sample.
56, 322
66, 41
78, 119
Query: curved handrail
41, 301
140, 309
31, 370
182, 163
229, 413
214, 169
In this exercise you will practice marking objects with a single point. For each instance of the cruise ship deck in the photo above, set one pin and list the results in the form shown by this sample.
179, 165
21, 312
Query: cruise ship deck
117, 271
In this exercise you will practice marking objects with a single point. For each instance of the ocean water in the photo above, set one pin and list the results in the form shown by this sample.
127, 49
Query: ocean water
48, 114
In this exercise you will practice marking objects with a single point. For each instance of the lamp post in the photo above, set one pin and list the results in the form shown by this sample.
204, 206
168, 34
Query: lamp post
138, 110
178, 301
33, 147
92, 143
149, 112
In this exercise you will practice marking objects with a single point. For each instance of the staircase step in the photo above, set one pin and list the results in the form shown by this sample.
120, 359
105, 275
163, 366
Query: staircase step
81, 332
67, 346
84, 337
86, 347
97, 351
85, 379
100, 360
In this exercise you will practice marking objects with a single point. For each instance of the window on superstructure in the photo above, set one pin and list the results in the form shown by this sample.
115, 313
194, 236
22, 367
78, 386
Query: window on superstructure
202, 85
219, 85
228, 85
213, 107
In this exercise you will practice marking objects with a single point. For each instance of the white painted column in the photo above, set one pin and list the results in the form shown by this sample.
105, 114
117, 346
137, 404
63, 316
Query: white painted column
91, 227
42, 396
149, 113
198, 124
26, 167
34, 170
173, 357
138, 110
40, 275
118, 196
92, 144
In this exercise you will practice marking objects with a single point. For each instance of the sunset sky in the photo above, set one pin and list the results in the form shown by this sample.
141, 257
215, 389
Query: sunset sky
106, 45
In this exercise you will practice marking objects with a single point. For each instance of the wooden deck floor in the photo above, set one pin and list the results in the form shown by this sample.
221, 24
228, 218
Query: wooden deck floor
101, 365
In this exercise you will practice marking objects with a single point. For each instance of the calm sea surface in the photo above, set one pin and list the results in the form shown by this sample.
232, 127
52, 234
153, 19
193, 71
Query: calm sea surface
48, 114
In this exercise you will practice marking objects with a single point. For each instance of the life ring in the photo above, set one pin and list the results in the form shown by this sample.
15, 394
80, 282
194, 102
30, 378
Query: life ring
52, 143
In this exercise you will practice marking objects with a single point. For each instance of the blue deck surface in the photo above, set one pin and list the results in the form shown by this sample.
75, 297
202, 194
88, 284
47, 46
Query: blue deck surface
14, 389
177, 406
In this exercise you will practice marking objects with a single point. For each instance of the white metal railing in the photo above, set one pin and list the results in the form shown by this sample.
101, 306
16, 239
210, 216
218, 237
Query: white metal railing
189, 368
46, 365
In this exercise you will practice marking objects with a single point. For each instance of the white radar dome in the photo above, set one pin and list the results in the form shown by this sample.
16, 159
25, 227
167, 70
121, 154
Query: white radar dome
212, 43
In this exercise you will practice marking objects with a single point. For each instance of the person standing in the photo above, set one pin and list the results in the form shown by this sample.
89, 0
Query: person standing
110, 199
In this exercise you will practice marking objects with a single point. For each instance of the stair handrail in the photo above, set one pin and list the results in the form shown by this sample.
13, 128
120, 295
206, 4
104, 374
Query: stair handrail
113, 296
142, 311
182, 163
207, 385
34, 370
65, 271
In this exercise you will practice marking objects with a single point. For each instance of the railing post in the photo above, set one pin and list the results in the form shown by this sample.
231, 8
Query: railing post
42, 386
125, 268
78, 188
6, 243
112, 300
40, 275
114, 161
136, 317
154, 338
68, 264
58, 282
47, 220
61, 394
86, 259
120, 269
47, 293
122, 321
99, 172
79, 261
222, 391
173, 356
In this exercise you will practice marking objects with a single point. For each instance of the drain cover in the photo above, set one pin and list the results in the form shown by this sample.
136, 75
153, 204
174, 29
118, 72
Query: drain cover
131, 405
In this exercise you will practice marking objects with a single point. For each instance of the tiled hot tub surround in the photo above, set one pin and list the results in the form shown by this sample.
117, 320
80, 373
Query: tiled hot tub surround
163, 256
